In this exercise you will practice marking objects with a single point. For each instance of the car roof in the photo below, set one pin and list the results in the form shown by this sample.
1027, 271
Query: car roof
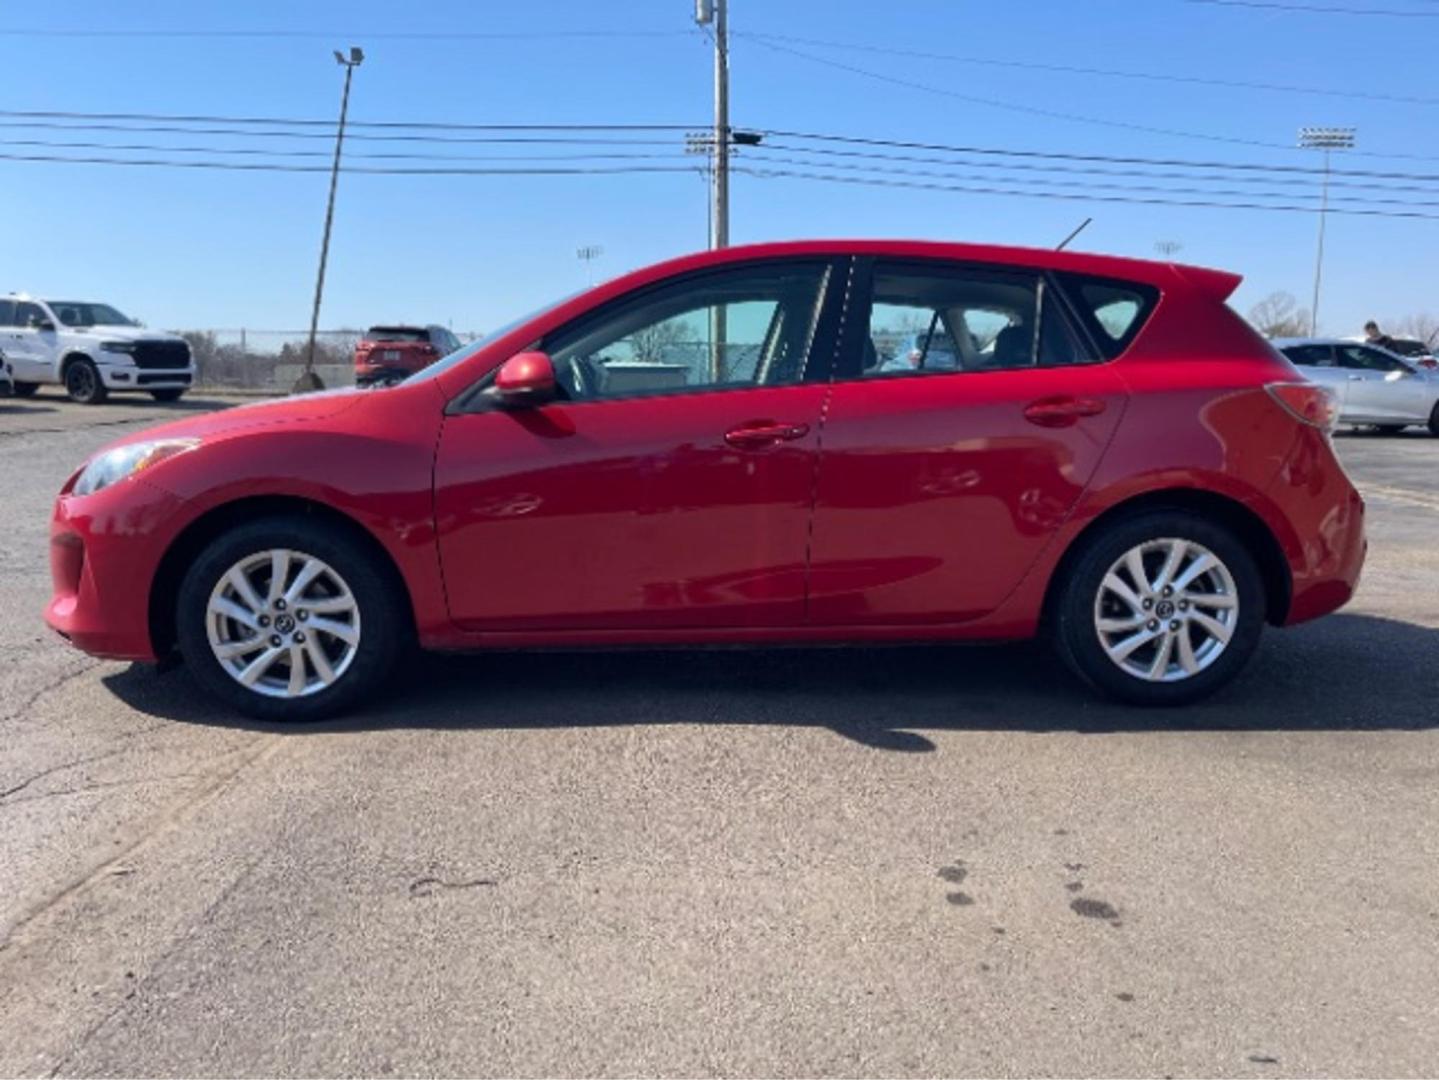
1217, 283
1286, 342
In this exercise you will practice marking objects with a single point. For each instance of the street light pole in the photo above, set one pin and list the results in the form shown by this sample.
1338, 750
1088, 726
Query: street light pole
1326, 139
309, 380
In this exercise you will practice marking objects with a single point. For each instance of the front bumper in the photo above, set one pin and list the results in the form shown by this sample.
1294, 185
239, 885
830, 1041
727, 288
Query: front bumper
125, 374
105, 550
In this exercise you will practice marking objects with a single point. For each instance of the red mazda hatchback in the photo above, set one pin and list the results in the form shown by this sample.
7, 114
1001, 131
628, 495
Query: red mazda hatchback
840, 442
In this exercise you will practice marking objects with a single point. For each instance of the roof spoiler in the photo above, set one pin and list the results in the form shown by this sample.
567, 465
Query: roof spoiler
1217, 284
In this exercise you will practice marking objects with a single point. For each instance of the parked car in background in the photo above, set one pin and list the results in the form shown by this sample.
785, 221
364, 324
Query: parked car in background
1416, 352
388, 354
1139, 477
1372, 387
90, 349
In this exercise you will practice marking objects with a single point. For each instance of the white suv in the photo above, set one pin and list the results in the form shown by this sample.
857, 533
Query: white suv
90, 349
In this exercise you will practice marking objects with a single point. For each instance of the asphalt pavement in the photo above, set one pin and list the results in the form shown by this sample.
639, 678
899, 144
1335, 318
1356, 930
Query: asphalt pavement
865, 862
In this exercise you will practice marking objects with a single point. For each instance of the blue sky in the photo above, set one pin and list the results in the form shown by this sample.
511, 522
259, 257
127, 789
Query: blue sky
187, 248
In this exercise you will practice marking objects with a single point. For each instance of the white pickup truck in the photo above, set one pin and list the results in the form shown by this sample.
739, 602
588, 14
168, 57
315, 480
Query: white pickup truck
90, 349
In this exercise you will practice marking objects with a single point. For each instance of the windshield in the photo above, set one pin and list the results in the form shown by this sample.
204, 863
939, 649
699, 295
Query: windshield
79, 313
463, 354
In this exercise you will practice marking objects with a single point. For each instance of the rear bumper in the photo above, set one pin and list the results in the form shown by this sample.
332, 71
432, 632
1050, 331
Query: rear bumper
1318, 518
104, 553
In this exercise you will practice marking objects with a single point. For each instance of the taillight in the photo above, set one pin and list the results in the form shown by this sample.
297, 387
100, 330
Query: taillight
1307, 402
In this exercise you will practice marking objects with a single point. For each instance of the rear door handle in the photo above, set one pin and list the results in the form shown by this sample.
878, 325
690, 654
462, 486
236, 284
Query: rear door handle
1061, 411
752, 436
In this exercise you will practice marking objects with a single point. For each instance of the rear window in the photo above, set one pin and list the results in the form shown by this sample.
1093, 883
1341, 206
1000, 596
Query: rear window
1113, 311
398, 333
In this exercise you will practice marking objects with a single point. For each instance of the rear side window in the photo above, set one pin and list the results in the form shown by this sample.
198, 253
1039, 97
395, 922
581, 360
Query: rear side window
1113, 311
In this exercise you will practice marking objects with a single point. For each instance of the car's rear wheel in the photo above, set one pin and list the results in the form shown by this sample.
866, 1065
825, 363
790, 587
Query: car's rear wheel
1160, 609
289, 618
26, 389
172, 394
1433, 417
83, 382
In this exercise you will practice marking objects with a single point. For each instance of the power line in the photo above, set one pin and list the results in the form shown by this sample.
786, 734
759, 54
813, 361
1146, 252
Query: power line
279, 121
1034, 110
1075, 197
1083, 170
376, 35
265, 152
1074, 69
240, 166
1318, 9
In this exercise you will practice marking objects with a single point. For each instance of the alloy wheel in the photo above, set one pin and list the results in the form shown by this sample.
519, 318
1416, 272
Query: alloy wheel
283, 623
1166, 610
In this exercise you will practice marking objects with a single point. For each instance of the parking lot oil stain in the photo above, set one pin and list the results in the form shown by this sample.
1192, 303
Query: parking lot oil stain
1074, 886
1125, 996
1263, 1059
428, 886
1074, 867
998, 929
954, 874
1093, 909
959, 899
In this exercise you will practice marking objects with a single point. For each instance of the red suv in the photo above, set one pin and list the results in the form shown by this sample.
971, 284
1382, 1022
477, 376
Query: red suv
389, 354
718, 449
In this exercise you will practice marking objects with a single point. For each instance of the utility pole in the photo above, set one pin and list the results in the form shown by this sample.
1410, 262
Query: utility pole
309, 380
715, 13
1326, 139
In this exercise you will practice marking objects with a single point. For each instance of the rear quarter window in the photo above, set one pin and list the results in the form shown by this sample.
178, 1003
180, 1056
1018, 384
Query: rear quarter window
1113, 312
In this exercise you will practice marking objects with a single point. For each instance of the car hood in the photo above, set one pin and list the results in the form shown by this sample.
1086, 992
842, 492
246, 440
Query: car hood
122, 332
290, 410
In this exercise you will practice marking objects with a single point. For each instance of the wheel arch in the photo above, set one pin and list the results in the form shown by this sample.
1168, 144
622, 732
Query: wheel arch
1246, 525
70, 357
165, 587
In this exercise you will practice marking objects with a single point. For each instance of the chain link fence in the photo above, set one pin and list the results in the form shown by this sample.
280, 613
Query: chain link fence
269, 361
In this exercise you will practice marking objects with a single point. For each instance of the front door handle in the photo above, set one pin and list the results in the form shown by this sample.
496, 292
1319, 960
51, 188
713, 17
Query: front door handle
752, 436
1356, 378
1061, 411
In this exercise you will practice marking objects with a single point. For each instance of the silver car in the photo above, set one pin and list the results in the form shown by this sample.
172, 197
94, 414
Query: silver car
1372, 387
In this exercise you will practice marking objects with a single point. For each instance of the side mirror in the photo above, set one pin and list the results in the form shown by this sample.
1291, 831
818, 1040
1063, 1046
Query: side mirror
525, 379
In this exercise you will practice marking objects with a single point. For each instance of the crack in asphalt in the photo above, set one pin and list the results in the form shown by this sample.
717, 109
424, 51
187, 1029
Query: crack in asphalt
23, 432
5, 795
426, 886
49, 688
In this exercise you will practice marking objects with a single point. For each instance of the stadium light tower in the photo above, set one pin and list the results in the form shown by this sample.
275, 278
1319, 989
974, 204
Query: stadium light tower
1327, 139
309, 380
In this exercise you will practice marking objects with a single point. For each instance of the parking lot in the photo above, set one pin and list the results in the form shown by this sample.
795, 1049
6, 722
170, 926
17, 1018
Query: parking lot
861, 862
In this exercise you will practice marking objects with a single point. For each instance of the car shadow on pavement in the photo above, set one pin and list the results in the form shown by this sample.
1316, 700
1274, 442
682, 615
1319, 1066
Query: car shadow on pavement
1347, 672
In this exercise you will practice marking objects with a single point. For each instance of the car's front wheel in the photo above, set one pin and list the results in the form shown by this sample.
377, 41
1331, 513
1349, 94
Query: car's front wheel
1160, 609
290, 618
83, 382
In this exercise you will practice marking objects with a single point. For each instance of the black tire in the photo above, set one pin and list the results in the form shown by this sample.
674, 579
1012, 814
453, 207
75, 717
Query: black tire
383, 615
1389, 429
1433, 416
1073, 625
26, 389
83, 382
173, 394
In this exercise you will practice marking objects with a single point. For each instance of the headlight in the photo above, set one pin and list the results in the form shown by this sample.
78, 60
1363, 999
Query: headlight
115, 465
117, 346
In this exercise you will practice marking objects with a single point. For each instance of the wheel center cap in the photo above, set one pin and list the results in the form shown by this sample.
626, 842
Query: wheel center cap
1164, 608
284, 623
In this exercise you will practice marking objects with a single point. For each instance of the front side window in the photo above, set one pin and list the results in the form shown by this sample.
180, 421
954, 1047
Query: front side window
31, 315
749, 326
7, 313
1357, 357
927, 320
81, 313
